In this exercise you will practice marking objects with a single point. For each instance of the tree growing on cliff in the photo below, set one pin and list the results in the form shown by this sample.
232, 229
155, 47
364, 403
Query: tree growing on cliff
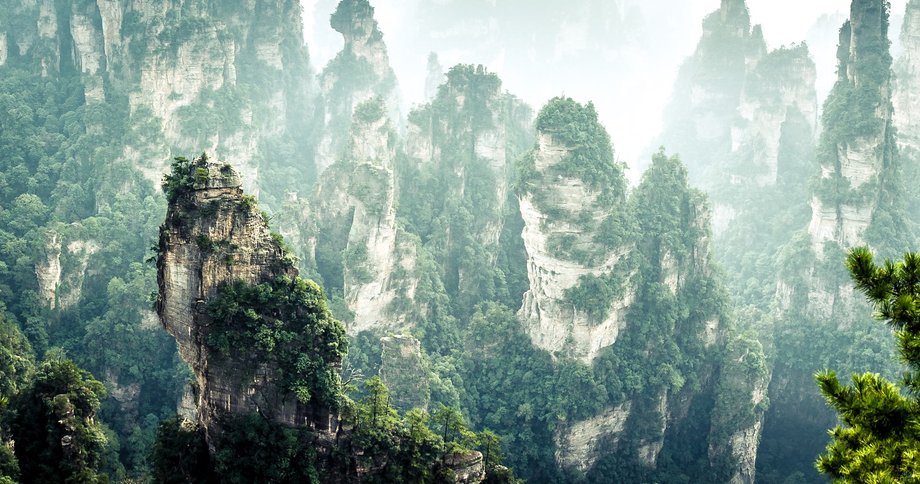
880, 438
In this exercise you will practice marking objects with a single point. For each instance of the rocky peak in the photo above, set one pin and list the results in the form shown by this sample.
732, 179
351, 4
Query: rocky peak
859, 140
213, 236
191, 74
779, 90
434, 78
569, 199
354, 19
462, 144
355, 216
734, 16
864, 39
360, 72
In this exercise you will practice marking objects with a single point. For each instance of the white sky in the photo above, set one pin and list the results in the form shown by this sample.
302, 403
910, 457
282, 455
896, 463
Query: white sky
631, 104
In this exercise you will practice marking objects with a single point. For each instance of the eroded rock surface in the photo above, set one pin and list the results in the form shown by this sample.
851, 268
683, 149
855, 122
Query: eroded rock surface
213, 235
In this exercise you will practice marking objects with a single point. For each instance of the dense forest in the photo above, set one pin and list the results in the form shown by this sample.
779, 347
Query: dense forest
222, 262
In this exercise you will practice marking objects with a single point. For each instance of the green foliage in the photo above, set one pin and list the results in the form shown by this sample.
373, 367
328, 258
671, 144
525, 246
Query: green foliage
355, 262
179, 454
248, 202
285, 321
414, 447
252, 449
878, 441
453, 206
591, 157
668, 211
16, 360
65, 175
348, 12
183, 176
9, 467
371, 110
594, 295
54, 427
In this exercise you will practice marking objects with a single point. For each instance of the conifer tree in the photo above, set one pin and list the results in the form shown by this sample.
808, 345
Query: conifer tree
878, 441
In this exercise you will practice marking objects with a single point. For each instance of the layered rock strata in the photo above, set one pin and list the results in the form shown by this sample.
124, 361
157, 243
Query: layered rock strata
212, 235
195, 74
551, 320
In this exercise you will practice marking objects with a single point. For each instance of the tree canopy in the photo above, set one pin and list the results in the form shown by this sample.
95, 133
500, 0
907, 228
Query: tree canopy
878, 441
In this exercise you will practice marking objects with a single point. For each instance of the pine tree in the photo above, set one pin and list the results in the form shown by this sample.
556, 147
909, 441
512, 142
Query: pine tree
878, 441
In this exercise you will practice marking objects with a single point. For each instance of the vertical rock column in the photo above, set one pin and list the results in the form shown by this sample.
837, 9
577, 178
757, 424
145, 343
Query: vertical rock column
214, 235
563, 214
360, 72
856, 150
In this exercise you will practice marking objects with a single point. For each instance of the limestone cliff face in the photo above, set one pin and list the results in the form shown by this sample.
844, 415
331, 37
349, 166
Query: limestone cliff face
360, 72
355, 219
708, 90
602, 265
742, 400
212, 235
196, 74
907, 79
906, 100
736, 108
855, 200
577, 446
856, 157
779, 86
550, 319
60, 288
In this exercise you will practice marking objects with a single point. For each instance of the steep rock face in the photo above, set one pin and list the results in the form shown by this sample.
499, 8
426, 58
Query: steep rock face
462, 146
213, 236
906, 99
48, 272
674, 266
855, 155
215, 246
740, 115
602, 269
178, 64
753, 115
405, 371
742, 390
708, 89
60, 288
857, 199
551, 320
357, 246
907, 77
778, 87
578, 444
467, 468
360, 72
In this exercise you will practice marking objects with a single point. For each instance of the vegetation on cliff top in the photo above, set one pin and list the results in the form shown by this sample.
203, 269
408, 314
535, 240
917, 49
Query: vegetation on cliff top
590, 158
285, 321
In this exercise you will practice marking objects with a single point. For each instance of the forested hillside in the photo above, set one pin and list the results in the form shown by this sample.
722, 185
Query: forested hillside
219, 261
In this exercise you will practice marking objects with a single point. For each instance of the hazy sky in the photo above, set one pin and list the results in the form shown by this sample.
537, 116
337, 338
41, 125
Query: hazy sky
630, 90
